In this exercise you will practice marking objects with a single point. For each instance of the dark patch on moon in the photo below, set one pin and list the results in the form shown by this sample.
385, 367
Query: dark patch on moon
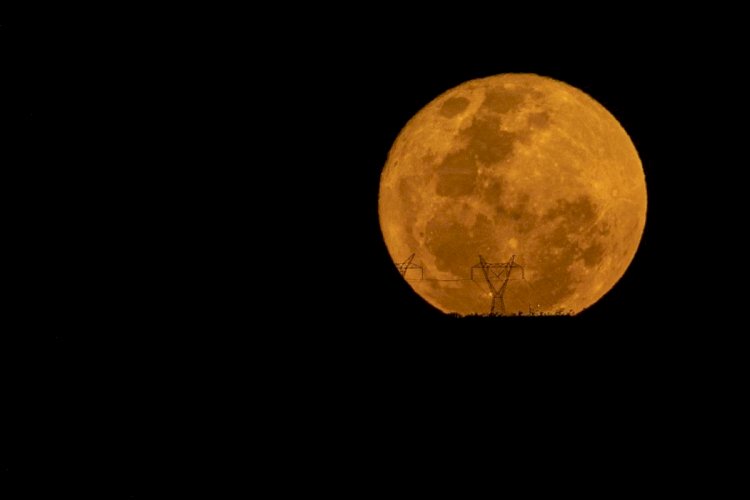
572, 213
538, 120
514, 208
457, 174
593, 255
502, 100
493, 192
487, 141
559, 249
454, 106
456, 245
509, 207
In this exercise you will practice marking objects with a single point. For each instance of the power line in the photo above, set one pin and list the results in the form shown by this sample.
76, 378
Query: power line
493, 273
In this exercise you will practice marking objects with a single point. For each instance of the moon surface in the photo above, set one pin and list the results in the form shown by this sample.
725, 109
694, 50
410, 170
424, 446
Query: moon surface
513, 165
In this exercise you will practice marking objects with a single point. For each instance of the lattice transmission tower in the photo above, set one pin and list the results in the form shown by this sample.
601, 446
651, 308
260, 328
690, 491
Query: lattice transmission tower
494, 274
404, 267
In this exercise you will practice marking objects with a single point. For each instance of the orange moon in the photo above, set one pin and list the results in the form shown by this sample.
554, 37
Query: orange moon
513, 165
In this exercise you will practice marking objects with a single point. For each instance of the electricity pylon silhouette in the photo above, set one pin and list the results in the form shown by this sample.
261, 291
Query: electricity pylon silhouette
498, 270
404, 266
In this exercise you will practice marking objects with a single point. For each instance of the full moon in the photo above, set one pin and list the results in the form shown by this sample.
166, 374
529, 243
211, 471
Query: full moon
513, 194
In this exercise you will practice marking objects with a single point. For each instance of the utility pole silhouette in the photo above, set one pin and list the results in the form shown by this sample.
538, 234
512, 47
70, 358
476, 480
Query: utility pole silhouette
501, 272
404, 266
